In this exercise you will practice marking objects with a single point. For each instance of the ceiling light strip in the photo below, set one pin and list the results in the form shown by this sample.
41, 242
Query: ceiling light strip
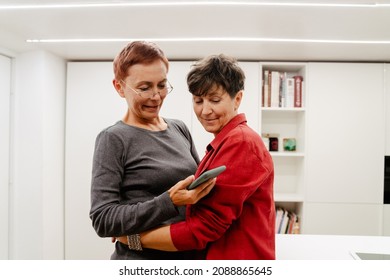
188, 3
227, 39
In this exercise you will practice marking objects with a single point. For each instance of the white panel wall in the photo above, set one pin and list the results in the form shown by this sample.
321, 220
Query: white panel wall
5, 91
345, 132
36, 196
92, 104
386, 220
343, 219
178, 104
250, 104
345, 151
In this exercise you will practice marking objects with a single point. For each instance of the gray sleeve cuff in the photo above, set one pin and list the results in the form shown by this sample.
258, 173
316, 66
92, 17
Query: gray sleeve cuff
166, 205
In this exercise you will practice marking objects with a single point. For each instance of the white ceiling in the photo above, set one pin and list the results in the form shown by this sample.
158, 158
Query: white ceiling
201, 21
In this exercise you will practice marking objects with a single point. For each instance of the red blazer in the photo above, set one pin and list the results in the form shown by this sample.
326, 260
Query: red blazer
237, 219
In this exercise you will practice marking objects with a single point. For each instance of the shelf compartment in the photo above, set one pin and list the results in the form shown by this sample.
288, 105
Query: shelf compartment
286, 124
289, 175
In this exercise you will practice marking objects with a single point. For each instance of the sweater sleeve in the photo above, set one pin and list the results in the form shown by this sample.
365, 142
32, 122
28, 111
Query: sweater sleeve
110, 216
211, 217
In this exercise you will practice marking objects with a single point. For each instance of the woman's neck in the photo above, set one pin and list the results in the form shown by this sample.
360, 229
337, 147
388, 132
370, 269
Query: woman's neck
155, 124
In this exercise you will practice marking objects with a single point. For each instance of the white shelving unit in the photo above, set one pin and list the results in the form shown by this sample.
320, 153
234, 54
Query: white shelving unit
287, 122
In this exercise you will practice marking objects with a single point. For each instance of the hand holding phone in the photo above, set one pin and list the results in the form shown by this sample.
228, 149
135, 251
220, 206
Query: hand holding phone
206, 176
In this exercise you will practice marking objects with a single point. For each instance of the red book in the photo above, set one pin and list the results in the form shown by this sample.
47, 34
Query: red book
298, 91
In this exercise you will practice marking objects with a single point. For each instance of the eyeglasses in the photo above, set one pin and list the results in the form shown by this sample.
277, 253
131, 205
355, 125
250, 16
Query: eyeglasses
148, 91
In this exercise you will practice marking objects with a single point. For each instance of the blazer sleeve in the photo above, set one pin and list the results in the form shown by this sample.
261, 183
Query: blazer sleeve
211, 217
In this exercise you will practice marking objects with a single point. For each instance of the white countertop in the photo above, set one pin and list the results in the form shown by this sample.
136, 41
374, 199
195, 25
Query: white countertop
328, 247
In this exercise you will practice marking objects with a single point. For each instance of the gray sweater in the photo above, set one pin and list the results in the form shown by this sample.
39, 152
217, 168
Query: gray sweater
132, 170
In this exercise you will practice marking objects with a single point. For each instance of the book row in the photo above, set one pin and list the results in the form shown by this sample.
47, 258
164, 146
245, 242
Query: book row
286, 222
282, 89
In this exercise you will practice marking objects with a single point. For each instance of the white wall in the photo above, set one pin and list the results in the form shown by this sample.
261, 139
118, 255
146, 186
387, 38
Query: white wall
386, 220
5, 91
346, 133
345, 151
91, 105
36, 196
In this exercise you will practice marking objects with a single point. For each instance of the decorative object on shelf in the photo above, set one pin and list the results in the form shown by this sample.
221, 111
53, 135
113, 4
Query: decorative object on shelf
289, 144
273, 144
272, 139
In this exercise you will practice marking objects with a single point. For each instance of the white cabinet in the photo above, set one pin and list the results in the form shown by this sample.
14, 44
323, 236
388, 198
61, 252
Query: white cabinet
91, 105
250, 103
178, 104
386, 220
343, 219
345, 148
345, 151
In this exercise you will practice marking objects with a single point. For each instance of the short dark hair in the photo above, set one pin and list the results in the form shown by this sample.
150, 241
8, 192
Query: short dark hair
137, 52
216, 70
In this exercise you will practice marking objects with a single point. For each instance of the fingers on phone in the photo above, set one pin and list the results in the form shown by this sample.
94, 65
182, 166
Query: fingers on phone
210, 183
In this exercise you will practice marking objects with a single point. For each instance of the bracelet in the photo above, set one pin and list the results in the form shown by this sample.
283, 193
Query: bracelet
134, 242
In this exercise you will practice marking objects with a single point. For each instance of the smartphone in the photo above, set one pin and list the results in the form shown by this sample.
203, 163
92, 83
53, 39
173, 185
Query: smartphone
206, 176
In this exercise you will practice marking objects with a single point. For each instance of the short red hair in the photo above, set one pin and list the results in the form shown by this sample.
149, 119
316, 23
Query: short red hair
137, 52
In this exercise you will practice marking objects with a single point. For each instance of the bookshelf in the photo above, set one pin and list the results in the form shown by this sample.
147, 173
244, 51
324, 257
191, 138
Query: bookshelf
283, 120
